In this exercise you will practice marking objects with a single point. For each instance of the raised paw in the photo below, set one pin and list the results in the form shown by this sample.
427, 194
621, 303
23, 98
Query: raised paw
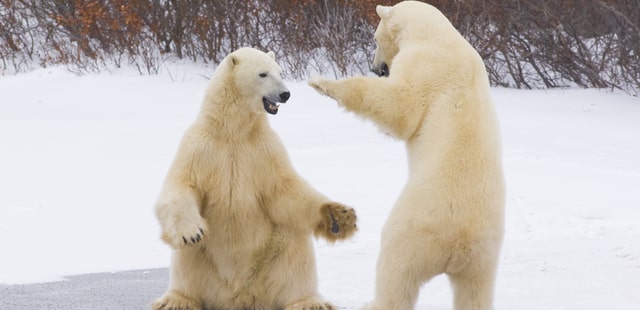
319, 84
185, 232
338, 221
175, 301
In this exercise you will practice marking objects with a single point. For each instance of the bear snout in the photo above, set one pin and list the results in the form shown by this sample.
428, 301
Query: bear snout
381, 70
284, 96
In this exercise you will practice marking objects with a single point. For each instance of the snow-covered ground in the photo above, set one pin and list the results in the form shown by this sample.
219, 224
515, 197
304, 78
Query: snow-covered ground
82, 160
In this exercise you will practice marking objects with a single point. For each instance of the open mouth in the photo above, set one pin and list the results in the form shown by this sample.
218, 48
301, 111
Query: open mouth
270, 106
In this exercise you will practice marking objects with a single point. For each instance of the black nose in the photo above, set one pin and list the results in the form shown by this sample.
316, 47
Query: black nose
284, 96
381, 70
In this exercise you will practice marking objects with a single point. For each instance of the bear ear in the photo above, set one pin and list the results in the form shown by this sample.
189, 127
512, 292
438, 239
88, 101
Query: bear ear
234, 60
383, 11
271, 54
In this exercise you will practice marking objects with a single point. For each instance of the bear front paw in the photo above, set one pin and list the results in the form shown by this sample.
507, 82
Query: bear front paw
319, 84
338, 222
185, 232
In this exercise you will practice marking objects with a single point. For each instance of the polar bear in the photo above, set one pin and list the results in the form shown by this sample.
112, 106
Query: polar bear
239, 218
433, 93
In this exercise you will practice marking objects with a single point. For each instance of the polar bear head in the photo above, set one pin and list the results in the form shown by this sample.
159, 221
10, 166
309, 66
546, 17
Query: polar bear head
408, 22
257, 79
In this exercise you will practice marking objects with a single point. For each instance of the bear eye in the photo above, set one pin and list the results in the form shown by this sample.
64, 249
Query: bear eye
262, 75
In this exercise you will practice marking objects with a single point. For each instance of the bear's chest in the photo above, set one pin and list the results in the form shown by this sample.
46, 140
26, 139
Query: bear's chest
236, 176
234, 186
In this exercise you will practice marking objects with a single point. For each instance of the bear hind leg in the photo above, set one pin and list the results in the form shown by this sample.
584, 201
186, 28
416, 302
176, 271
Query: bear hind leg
312, 303
473, 287
173, 300
400, 276
396, 290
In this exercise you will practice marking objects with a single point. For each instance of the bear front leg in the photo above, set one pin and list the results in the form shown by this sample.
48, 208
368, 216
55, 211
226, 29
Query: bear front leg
320, 85
357, 94
338, 222
179, 217
381, 100
326, 87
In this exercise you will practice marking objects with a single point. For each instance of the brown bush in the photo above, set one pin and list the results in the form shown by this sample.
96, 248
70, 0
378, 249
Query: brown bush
545, 43
525, 43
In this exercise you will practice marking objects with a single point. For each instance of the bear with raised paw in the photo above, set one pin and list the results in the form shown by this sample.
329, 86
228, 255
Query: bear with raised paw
239, 218
433, 93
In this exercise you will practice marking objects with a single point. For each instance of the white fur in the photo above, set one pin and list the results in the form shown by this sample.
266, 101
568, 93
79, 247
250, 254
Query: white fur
237, 215
383, 10
449, 219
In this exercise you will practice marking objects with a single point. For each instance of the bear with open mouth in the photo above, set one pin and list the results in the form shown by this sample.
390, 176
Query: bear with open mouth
238, 216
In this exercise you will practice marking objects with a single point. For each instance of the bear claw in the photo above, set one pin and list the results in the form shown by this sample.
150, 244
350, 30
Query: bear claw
179, 238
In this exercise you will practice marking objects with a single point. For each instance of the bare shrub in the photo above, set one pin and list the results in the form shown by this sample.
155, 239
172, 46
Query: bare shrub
546, 43
524, 43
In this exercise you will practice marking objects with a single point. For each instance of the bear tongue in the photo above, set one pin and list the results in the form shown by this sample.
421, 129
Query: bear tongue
270, 106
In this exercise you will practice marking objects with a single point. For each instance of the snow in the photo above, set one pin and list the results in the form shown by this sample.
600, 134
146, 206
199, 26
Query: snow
82, 160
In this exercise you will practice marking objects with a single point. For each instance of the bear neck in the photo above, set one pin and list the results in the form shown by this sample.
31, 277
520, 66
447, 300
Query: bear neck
224, 114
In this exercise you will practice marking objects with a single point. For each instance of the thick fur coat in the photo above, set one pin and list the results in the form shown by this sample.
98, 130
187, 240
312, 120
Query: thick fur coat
237, 215
433, 94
